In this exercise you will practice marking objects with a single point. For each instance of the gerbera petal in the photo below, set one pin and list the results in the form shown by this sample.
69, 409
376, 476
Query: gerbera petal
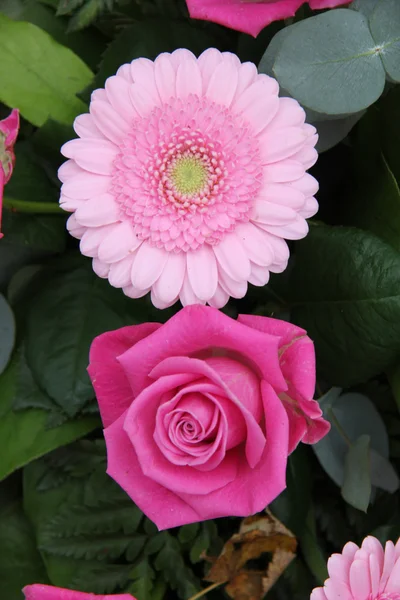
259, 276
256, 244
258, 103
101, 268
188, 78
118, 243
169, 284
187, 295
120, 271
96, 156
164, 74
223, 83
232, 258
108, 120
148, 266
85, 127
202, 272
208, 62
219, 299
285, 143
85, 185
117, 90
100, 210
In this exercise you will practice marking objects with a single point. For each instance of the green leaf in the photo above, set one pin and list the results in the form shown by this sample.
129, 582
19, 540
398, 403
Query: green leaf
98, 578
170, 562
143, 582
39, 76
384, 23
187, 533
330, 63
7, 333
356, 488
23, 434
148, 39
64, 318
333, 131
343, 289
20, 562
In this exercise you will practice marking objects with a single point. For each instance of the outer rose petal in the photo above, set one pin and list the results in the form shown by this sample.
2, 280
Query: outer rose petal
163, 507
196, 328
38, 591
251, 17
112, 388
243, 16
1, 196
297, 361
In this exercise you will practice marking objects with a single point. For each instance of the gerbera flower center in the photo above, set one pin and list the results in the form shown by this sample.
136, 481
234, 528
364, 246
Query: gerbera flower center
188, 175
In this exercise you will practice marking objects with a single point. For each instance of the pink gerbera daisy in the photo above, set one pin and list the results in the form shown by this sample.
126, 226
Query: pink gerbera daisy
366, 573
188, 175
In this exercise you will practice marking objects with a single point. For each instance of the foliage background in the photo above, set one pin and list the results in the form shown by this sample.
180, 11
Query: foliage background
62, 520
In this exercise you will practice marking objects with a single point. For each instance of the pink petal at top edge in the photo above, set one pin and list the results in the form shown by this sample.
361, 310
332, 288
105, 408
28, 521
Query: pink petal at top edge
38, 591
245, 17
112, 388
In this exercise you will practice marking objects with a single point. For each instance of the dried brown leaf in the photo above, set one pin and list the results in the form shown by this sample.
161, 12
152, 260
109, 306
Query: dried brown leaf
258, 536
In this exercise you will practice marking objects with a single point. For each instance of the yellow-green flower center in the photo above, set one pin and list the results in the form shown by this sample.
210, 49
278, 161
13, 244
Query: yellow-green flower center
189, 175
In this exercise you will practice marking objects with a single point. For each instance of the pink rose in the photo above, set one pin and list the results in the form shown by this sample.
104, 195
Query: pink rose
38, 591
251, 16
8, 135
201, 413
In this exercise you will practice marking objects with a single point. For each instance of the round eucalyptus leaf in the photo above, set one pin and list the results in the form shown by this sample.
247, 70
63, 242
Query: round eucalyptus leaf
384, 22
330, 63
7, 333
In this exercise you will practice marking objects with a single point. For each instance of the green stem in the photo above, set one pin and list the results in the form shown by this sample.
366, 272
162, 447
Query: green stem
311, 550
205, 591
338, 426
22, 206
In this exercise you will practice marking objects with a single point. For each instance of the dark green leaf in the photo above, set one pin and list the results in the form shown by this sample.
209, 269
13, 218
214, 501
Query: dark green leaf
20, 561
344, 291
65, 317
24, 435
356, 488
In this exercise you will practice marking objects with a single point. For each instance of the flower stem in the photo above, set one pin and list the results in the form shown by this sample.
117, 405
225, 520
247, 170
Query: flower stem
206, 590
22, 206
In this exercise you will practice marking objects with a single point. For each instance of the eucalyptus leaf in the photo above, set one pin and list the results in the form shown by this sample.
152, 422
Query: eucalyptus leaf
7, 333
384, 23
38, 75
330, 63
356, 488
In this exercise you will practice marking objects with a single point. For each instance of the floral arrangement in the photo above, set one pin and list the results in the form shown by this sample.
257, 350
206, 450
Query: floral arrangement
199, 299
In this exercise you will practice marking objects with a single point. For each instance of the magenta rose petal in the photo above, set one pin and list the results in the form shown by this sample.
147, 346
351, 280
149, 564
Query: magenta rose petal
255, 440
139, 426
254, 488
37, 591
161, 505
113, 391
196, 328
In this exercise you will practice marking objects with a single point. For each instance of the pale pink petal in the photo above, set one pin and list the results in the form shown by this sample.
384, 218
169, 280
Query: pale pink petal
117, 90
101, 268
272, 214
259, 276
295, 230
142, 71
307, 184
92, 238
258, 103
236, 289
125, 72
393, 583
280, 193
164, 74
67, 170
283, 171
74, 228
85, 127
337, 590
70, 204
109, 121
232, 258
282, 144
208, 62
148, 266
169, 284
188, 78
202, 272
219, 299
120, 272
310, 208
160, 304
318, 594
223, 83
290, 114
85, 185
187, 295
256, 244
360, 583
118, 243
133, 292
247, 75
388, 564
99, 210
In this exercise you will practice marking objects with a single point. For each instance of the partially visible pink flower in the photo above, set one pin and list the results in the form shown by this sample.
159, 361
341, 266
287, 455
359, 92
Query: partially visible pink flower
251, 16
8, 135
188, 177
38, 591
201, 413
366, 573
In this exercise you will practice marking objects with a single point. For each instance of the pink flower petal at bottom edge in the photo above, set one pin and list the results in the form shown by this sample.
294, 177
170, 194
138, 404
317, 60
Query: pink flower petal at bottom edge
113, 392
246, 17
160, 505
38, 591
